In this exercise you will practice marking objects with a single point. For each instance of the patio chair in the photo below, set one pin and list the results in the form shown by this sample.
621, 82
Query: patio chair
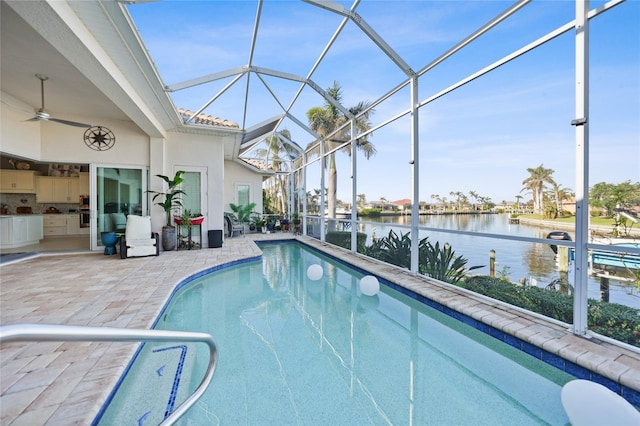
233, 225
118, 222
138, 240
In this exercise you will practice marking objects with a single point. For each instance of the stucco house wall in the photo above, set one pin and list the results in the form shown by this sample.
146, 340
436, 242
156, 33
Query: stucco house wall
236, 174
16, 136
204, 152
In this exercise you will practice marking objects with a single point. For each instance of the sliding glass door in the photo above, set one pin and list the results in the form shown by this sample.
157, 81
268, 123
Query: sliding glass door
116, 192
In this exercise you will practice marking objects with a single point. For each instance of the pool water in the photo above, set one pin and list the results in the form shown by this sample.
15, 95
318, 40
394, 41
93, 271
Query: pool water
296, 351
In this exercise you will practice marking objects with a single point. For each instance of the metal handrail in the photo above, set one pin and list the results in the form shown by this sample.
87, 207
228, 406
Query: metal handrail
71, 333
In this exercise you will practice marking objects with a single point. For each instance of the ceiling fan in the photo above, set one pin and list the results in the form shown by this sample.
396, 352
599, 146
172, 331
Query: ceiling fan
42, 115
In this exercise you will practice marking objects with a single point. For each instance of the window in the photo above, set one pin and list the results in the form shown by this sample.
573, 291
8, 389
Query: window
243, 194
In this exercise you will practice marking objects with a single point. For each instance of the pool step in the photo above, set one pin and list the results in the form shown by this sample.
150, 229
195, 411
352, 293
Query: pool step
156, 384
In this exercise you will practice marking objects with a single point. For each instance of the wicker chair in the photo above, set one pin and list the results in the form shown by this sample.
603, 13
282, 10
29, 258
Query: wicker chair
233, 225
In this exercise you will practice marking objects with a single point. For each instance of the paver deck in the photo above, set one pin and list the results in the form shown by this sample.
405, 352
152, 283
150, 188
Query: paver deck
55, 383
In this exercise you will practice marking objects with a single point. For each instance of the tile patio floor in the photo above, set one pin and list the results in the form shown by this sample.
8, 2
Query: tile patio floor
67, 383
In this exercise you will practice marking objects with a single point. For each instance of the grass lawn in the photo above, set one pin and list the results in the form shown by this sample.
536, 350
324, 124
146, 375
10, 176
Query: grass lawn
600, 221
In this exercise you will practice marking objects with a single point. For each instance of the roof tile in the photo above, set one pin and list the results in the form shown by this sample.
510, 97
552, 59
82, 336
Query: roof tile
206, 119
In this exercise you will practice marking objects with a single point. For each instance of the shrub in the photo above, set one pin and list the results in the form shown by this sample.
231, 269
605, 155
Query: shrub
609, 319
442, 264
370, 212
343, 239
439, 263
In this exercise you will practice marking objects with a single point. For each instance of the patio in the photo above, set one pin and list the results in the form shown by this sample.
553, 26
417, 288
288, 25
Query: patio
67, 383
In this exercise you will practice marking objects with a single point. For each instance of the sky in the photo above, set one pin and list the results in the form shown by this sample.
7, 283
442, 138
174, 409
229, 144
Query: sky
481, 137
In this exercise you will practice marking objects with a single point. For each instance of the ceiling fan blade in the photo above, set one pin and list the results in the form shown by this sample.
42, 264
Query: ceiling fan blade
42, 115
70, 123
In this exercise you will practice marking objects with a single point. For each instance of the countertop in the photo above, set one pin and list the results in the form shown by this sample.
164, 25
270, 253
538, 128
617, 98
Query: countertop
19, 215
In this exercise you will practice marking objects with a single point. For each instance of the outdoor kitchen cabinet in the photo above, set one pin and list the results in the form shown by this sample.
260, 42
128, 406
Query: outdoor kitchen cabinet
20, 230
55, 225
83, 183
17, 181
62, 224
57, 189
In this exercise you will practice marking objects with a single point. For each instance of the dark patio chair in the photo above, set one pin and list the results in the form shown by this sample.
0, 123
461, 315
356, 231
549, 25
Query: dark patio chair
233, 225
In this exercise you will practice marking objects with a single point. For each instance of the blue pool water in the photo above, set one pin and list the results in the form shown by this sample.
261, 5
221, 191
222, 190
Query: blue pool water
296, 351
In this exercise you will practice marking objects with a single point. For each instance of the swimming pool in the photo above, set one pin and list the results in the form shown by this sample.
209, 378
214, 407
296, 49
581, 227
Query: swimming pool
296, 351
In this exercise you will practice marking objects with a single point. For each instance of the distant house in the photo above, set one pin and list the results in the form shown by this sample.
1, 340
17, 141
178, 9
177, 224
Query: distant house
569, 205
403, 205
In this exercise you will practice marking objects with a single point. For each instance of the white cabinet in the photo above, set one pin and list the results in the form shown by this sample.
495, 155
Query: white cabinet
74, 190
17, 231
83, 183
6, 227
73, 224
17, 181
57, 190
34, 228
55, 225
62, 224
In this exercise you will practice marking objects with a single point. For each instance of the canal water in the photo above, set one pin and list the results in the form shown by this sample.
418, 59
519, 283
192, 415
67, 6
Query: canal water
533, 262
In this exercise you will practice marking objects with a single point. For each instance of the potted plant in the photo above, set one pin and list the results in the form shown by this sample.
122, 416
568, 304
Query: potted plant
253, 222
285, 223
260, 225
271, 225
169, 201
296, 223
193, 218
242, 213
184, 229
185, 223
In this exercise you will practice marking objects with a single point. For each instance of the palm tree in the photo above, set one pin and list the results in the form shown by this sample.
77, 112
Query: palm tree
362, 199
474, 196
273, 155
518, 198
313, 200
325, 121
536, 183
436, 197
559, 194
461, 199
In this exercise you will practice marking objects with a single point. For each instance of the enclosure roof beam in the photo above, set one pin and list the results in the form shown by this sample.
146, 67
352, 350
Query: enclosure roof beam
367, 29
206, 79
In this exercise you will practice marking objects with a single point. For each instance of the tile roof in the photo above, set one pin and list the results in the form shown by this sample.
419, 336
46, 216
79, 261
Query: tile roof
260, 165
206, 119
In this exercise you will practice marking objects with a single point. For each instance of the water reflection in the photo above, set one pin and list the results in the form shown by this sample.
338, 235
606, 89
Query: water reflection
539, 259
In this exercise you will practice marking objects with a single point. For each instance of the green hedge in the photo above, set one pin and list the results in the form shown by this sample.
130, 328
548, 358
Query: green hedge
609, 319
343, 239
370, 212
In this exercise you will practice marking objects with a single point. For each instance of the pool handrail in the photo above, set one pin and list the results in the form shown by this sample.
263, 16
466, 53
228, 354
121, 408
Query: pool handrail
74, 333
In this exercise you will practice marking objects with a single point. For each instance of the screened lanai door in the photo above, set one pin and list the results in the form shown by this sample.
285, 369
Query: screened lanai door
115, 193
